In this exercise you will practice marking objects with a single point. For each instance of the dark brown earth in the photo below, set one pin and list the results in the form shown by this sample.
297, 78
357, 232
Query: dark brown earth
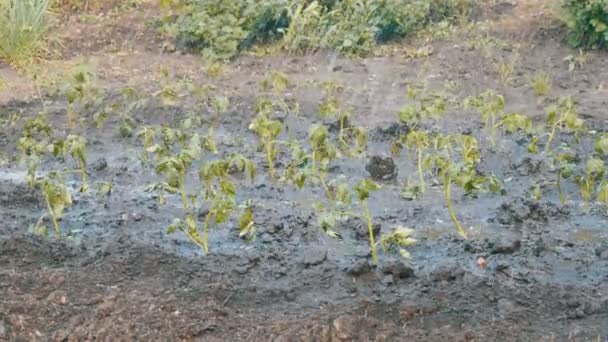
121, 277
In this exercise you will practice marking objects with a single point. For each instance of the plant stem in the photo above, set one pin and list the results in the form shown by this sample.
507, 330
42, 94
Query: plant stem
420, 172
206, 231
182, 191
53, 217
550, 140
370, 230
269, 159
448, 198
562, 197
83, 172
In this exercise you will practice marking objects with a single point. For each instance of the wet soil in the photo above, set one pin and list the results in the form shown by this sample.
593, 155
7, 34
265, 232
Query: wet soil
119, 276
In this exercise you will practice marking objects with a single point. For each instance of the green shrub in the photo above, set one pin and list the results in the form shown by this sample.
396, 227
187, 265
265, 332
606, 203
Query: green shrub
23, 24
588, 22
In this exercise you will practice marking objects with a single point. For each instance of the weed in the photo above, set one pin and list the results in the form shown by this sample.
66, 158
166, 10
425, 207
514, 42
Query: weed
541, 83
24, 24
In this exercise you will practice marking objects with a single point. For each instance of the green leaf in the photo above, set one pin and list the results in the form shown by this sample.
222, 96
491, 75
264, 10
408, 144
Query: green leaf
247, 224
364, 188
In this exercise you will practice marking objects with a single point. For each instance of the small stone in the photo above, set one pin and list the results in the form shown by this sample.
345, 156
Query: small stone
397, 268
382, 168
505, 245
388, 280
137, 217
314, 256
447, 271
603, 255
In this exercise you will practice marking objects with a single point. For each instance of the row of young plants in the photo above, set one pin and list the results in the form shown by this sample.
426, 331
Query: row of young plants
177, 151
222, 28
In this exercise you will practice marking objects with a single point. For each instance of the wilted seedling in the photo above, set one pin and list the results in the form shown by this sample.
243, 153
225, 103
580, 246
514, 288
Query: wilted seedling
56, 196
541, 83
221, 193
34, 143
594, 171
276, 82
268, 131
363, 190
564, 165
516, 122
76, 146
561, 117
491, 106
428, 107
397, 240
421, 141
81, 91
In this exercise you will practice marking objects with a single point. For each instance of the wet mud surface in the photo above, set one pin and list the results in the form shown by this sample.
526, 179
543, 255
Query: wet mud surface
118, 275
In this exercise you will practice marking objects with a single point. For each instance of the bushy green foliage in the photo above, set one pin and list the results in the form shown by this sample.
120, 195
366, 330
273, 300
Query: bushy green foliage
221, 28
352, 27
588, 22
23, 24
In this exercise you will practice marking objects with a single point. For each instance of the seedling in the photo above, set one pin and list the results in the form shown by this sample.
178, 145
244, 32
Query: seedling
351, 140
81, 92
268, 131
56, 196
420, 141
363, 190
76, 146
565, 165
221, 193
36, 139
429, 107
561, 117
490, 105
276, 83
594, 171
398, 239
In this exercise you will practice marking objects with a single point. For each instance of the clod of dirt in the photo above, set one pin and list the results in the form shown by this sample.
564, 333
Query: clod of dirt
602, 254
397, 268
529, 166
447, 271
358, 268
314, 256
362, 231
388, 280
519, 211
412, 309
382, 168
504, 245
100, 165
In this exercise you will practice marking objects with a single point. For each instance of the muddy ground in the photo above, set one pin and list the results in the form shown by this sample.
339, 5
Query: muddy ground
121, 277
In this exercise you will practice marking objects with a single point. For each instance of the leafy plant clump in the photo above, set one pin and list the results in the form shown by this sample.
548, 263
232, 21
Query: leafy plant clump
223, 28
587, 21
23, 24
